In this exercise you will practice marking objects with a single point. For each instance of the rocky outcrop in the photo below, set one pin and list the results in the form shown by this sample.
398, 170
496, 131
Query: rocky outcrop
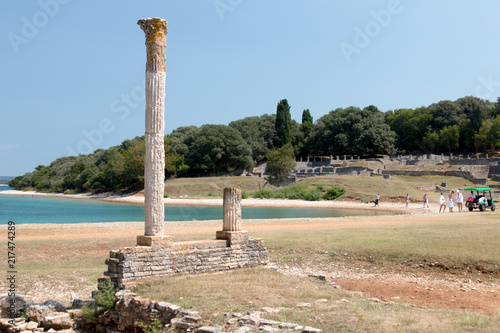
133, 313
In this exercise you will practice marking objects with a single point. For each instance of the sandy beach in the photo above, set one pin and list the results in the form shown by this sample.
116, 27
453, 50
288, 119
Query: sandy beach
138, 198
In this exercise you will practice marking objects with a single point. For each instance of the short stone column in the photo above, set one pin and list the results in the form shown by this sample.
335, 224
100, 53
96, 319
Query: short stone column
231, 220
231, 209
155, 30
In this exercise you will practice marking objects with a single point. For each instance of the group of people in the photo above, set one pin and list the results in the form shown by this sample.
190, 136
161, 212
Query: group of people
459, 200
450, 202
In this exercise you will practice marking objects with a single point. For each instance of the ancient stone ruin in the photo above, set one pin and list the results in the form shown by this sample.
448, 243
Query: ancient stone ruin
232, 248
156, 254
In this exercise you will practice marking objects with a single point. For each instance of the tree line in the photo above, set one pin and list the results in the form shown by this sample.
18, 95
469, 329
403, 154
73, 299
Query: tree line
467, 125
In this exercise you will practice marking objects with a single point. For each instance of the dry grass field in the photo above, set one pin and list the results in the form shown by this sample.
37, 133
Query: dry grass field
410, 273
420, 272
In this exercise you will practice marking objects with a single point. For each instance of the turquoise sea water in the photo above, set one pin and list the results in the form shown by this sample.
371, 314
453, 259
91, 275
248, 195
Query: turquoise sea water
38, 209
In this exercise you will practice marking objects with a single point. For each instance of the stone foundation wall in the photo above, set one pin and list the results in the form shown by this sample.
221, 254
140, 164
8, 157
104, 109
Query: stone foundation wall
474, 161
130, 264
454, 173
494, 172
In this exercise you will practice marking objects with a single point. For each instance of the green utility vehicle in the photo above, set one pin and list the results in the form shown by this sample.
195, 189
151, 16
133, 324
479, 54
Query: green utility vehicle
480, 197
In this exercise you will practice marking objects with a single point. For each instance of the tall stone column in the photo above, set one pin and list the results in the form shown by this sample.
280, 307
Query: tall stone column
154, 163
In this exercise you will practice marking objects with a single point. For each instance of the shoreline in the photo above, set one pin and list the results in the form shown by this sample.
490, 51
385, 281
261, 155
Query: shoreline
138, 198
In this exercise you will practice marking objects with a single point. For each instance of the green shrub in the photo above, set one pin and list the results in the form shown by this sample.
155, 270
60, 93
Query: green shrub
292, 192
104, 300
263, 194
244, 194
154, 326
89, 312
295, 192
105, 295
333, 193
313, 195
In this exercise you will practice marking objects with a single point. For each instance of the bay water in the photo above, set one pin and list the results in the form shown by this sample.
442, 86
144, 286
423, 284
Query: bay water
45, 209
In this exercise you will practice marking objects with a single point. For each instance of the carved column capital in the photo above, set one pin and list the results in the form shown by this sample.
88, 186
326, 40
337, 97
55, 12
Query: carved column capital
156, 37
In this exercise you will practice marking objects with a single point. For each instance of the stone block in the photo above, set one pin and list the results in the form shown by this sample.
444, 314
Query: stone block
12, 305
57, 321
233, 237
209, 329
163, 241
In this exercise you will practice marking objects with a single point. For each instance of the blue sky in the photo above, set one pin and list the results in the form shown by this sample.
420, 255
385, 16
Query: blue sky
72, 72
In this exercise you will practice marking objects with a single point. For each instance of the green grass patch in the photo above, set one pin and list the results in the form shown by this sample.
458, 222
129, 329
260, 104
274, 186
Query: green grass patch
292, 192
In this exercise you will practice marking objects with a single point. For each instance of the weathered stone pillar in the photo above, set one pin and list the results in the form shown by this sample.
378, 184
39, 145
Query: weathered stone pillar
231, 224
232, 209
155, 30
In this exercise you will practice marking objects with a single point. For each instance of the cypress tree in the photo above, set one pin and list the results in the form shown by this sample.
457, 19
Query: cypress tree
283, 124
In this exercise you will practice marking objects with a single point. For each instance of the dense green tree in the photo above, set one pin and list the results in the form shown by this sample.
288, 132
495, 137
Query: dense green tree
182, 138
215, 149
113, 169
307, 123
111, 165
494, 134
449, 137
283, 124
445, 113
259, 133
473, 109
133, 165
481, 137
305, 128
352, 131
410, 126
431, 141
496, 109
280, 163
488, 136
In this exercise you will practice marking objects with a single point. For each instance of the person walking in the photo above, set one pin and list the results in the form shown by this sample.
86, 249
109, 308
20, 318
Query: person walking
426, 200
450, 201
442, 203
407, 199
459, 200
377, 199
